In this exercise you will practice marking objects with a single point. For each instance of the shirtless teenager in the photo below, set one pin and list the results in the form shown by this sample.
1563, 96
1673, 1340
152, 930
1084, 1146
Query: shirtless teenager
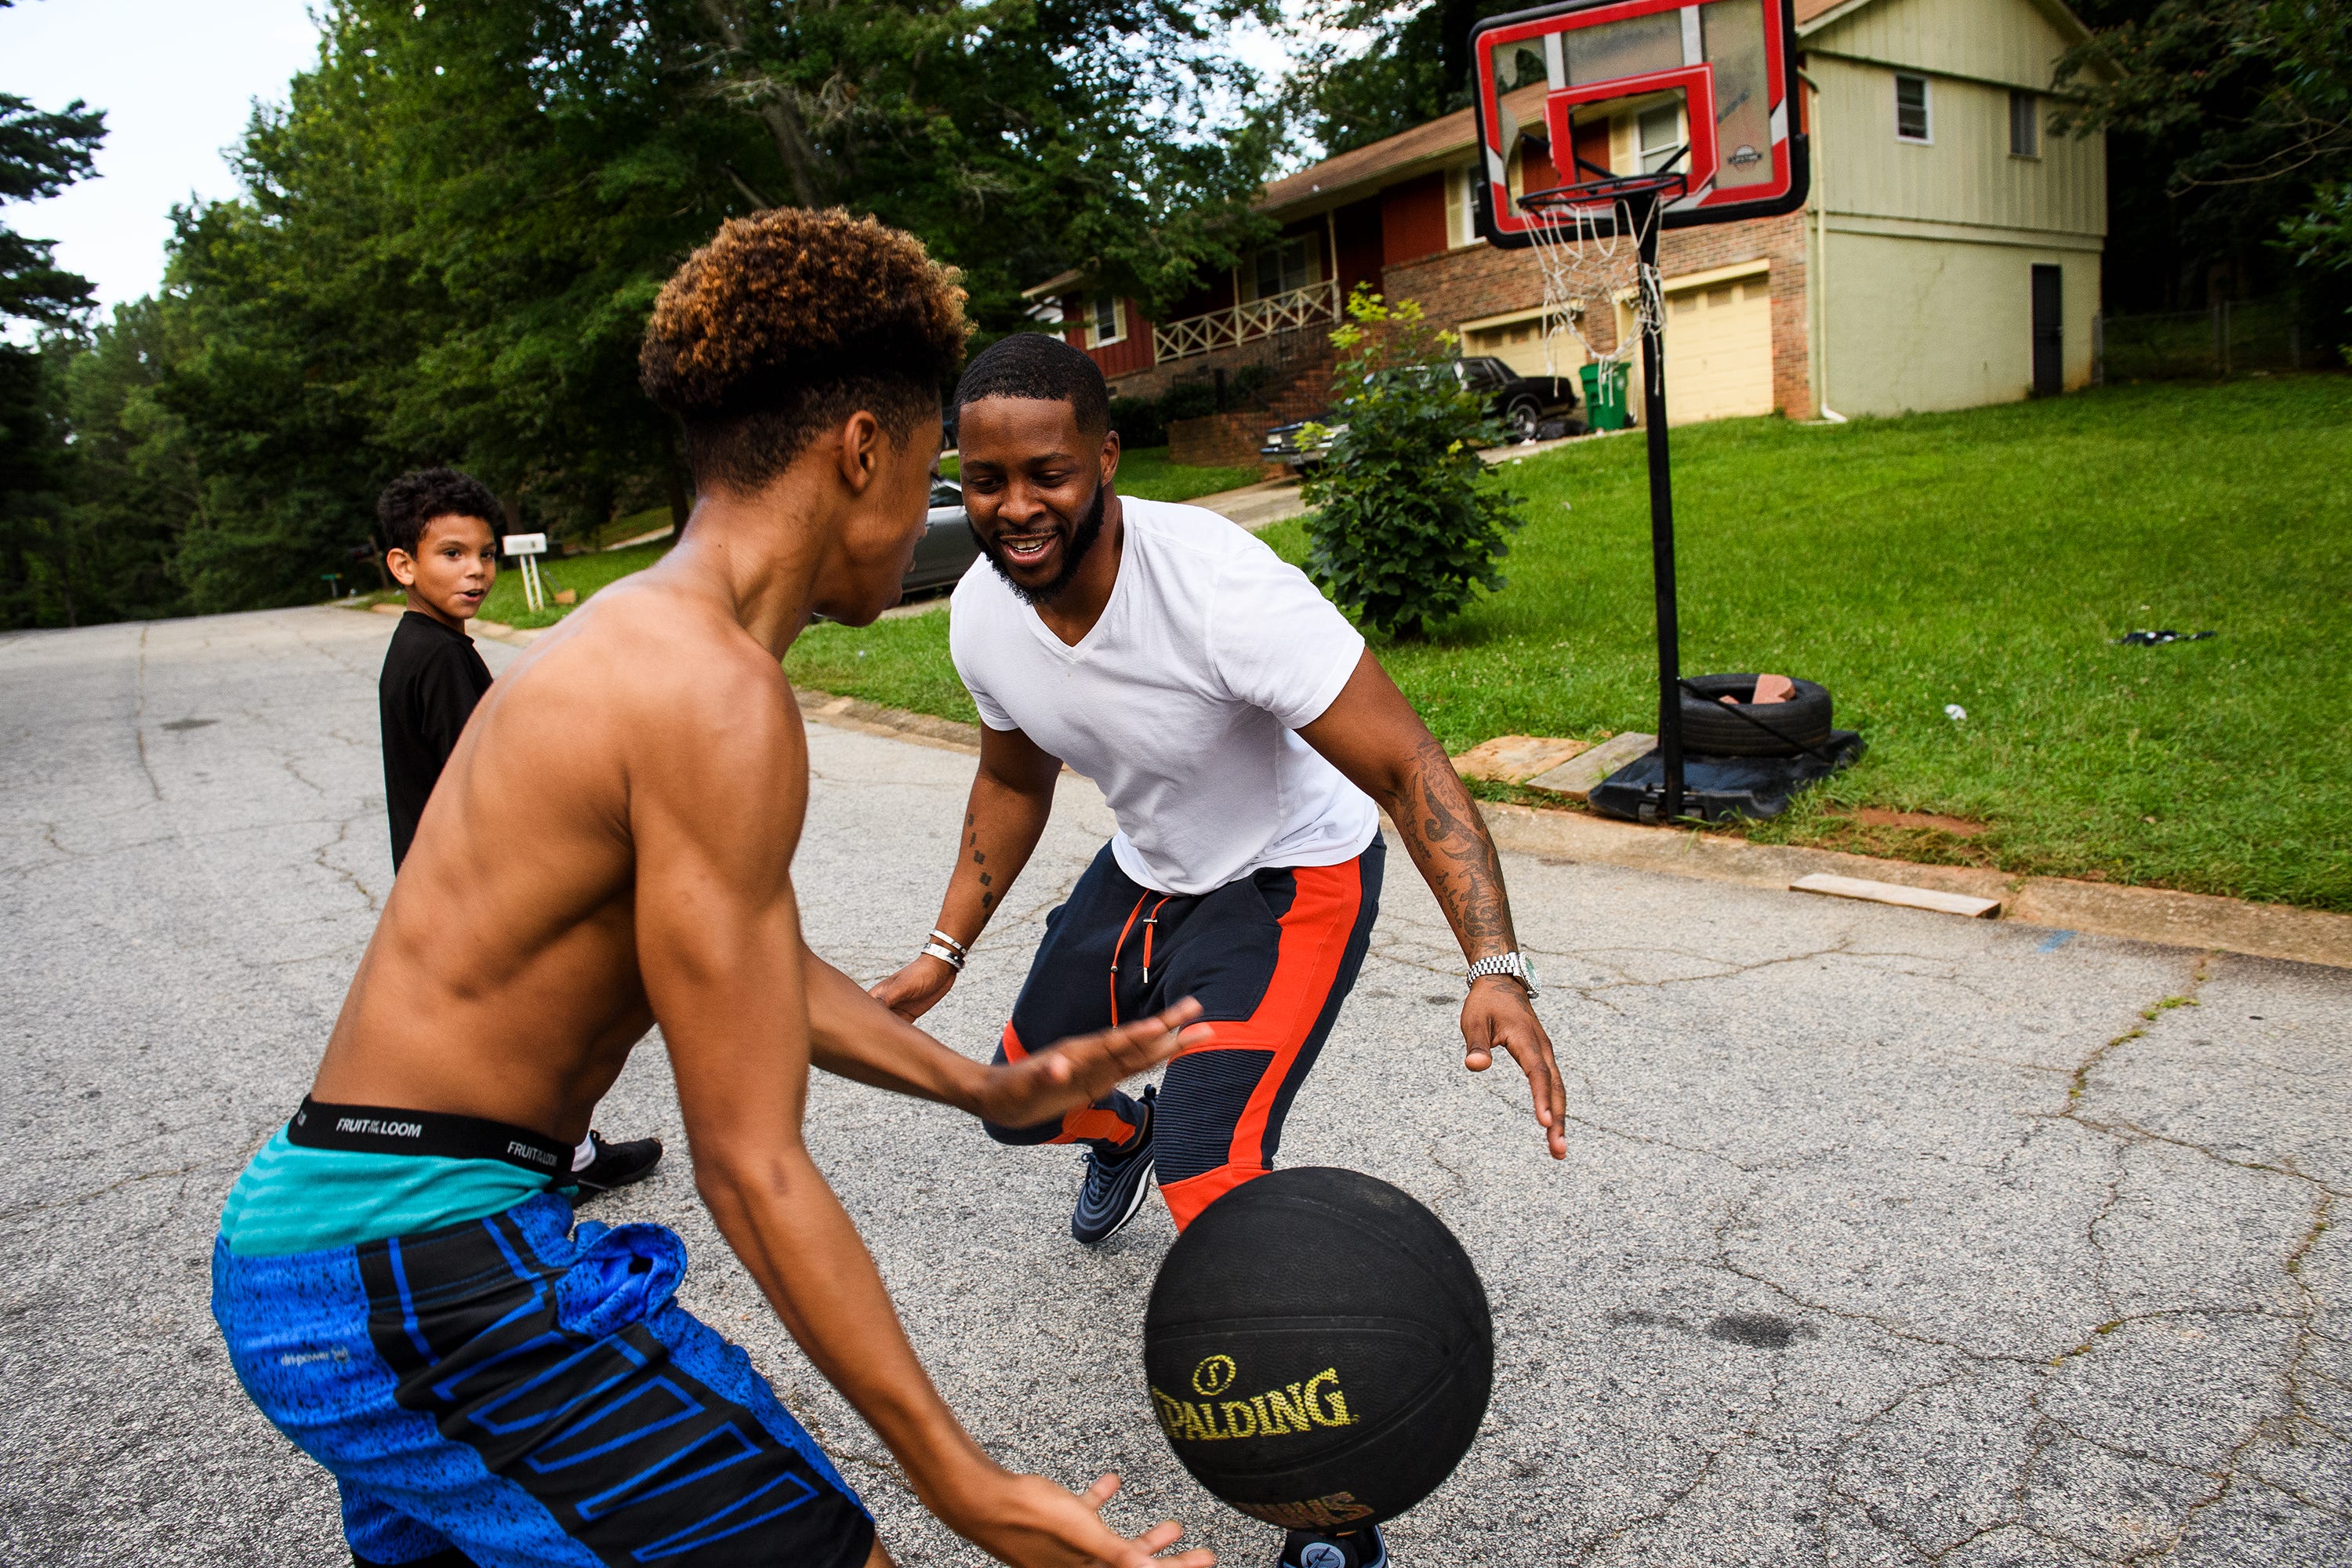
610, 848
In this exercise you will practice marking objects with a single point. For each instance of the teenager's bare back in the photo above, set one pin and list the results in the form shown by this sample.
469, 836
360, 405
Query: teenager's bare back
505, 980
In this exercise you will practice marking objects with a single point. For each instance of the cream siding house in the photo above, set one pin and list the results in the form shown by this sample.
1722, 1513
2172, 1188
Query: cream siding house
1948, 256
1924, 247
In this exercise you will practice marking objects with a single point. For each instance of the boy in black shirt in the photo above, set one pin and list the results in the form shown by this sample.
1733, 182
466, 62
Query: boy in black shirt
441, 545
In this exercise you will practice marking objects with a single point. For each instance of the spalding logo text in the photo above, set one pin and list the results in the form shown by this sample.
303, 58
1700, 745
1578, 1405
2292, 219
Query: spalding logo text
1278, 1412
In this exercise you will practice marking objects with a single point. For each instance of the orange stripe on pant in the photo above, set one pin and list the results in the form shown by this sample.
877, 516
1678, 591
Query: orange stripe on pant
1086, 1121
1316, 929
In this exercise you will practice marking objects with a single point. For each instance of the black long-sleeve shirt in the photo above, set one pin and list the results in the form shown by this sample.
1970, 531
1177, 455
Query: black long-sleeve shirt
431, 678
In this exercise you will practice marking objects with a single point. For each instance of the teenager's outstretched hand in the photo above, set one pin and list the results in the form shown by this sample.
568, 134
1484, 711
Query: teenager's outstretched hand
1497, 1016
1082, 1069
1032, 1522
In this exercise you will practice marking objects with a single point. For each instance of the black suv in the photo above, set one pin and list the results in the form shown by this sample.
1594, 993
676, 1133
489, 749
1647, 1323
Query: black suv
1525, 404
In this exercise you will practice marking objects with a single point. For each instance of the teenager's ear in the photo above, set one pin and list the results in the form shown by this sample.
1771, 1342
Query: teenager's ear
862, 450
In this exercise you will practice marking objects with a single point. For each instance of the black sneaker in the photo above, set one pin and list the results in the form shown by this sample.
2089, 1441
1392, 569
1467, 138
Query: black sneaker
1314, 1549
1116, 1185
617, 1164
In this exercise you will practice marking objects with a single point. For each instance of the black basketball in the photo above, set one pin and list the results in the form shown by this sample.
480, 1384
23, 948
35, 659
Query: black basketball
1320, 1349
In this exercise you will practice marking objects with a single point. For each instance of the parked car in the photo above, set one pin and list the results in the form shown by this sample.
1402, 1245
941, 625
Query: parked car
1524, 404
948, 546
1530, 408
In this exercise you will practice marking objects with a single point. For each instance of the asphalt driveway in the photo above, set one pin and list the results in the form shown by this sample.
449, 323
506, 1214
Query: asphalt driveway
1884, 1238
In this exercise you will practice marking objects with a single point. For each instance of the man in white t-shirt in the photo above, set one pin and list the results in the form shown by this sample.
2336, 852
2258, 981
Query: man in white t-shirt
1242, 734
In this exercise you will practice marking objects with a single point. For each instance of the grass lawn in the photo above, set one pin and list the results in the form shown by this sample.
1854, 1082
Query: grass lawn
1146, 472
582, 574
1987, 558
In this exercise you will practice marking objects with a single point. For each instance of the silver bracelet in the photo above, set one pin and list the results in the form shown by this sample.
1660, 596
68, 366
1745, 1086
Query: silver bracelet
946, 955
939, 935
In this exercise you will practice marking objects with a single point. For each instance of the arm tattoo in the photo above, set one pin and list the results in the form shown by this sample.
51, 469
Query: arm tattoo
1450, 842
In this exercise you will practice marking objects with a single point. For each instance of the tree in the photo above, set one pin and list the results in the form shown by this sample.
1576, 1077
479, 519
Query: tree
2243, 108
1408, 521
450, 235
1384, 71
40, 154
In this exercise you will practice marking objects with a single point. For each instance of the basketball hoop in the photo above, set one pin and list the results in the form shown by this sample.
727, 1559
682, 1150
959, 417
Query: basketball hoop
1591, 240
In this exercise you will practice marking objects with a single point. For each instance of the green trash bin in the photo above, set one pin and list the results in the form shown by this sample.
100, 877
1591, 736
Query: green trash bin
1604, 394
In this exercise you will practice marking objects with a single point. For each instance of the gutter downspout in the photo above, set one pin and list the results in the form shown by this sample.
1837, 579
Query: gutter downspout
1819, 284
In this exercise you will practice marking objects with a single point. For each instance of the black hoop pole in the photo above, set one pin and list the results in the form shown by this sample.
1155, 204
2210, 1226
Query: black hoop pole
1642, 212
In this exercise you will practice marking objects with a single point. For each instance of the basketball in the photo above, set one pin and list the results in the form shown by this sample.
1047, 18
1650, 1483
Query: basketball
1319, 1350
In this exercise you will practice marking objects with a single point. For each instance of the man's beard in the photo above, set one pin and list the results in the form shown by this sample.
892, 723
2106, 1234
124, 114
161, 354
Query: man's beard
1073, 556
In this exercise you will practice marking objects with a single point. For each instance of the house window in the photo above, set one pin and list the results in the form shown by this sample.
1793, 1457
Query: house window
1911, 122
1461, 206
2024, 125
1105, 321
1284, 266
1660, 131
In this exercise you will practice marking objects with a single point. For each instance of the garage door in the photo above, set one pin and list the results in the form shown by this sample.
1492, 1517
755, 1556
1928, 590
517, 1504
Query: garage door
1520, 344
1718, 349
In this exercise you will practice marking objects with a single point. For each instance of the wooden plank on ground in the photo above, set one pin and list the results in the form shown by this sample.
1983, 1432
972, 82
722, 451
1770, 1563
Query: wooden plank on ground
1512, 759
1896, 893
1575, 777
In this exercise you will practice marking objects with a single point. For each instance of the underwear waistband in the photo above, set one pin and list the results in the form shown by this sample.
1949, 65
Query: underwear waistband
386, 1130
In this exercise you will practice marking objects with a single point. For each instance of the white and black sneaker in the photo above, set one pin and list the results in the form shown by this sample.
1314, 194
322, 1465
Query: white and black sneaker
1314, 1549
1116, 1186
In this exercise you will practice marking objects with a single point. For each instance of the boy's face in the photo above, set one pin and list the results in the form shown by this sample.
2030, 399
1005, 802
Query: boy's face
455, 565
878, 538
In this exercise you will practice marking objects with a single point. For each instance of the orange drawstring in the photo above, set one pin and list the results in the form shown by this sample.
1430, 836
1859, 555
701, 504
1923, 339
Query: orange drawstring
1114, 950
1117, 947
1149, 921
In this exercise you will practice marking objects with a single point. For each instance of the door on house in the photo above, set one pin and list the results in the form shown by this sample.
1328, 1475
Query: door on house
2048, 331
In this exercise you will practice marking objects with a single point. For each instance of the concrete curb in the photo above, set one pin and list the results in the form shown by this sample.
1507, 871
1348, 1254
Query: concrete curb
2137, 914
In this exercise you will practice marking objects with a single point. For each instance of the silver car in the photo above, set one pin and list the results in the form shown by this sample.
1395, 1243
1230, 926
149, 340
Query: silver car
948, 546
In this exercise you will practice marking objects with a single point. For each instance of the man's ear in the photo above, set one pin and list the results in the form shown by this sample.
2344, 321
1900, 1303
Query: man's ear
1109, 456
862, 443
402, 565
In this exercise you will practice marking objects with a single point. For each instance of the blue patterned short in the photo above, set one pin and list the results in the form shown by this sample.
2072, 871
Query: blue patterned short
509, 1391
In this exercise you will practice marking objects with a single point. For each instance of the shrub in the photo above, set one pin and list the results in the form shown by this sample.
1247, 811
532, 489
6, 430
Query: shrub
1188, 400
1138, 422
1407, 523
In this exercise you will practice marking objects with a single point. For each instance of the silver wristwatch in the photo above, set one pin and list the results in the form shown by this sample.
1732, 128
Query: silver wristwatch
1515, 964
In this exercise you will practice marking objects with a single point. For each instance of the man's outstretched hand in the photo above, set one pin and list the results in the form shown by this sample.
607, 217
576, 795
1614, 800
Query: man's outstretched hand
916, 989
1032, 1522
1497, 1016
1082, 1069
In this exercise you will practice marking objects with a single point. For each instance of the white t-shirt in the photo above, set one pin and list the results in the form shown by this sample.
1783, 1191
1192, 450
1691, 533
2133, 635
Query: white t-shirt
1182, 703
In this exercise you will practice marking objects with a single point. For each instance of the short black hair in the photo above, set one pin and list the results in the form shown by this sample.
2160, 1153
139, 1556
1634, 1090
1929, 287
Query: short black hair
1030, 364
791, 321
415, 499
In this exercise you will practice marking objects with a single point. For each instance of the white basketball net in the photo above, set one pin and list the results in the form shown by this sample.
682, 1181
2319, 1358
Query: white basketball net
1590, 263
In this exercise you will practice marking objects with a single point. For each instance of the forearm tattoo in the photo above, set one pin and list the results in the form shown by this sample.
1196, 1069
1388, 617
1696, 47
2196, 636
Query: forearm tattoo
979, 858
1446, 835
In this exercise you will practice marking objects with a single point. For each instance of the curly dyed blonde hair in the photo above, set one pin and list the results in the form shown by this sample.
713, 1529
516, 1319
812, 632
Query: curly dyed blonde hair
791, 321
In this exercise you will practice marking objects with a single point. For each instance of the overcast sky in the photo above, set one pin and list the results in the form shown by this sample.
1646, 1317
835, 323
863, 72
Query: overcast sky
177, 79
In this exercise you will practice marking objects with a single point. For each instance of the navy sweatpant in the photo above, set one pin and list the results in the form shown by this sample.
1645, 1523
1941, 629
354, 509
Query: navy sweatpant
1270, 957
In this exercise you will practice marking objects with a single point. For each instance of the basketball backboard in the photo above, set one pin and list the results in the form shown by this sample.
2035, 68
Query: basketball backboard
1595, 90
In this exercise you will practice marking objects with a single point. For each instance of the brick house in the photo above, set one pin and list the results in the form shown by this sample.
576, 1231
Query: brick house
1948, 231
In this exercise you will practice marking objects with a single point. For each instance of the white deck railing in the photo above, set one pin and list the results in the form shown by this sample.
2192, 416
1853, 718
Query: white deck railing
1237, 324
